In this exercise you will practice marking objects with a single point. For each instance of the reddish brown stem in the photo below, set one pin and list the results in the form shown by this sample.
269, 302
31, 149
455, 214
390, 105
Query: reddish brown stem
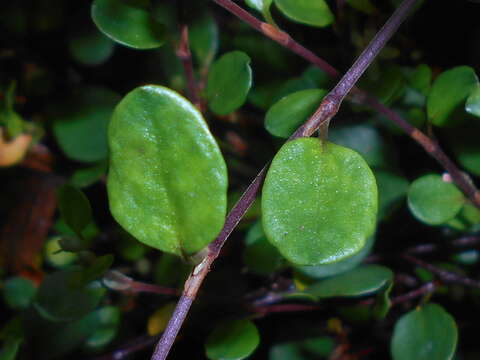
184, 54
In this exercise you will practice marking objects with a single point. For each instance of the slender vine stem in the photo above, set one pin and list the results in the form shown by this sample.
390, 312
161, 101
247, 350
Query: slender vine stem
327, 109
359, 96
184, 54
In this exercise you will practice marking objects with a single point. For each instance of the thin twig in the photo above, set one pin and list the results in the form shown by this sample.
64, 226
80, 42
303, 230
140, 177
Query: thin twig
327, 109
426, 288
360, 96
444, 275
184, 54
138, 344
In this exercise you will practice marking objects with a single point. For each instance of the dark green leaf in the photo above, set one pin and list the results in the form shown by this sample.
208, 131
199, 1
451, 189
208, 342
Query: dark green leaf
392, 189
88, 176
286, 351
433, 200
449, 91
421, 78
364, 6
232, 340
109, 321
18, 292
168, 181
229, 81
96, 269
204, 39
10, 349
315, 13
91, 48
129, 23
425, 333
319, 202
285, 116
74, 208
80, 125
473, 102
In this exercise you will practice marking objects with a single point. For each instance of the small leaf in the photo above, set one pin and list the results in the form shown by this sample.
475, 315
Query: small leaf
87, 176
167, 184
392, 189
204, 39
232, 340
309, 12
109, 323
18, 292
421, 78
473, 102
55, 257
229, 81
286, 115
433, 200
319, 202
91, 48
129, 23
464, 143
449, 91
363, 280
424, 334
74, 208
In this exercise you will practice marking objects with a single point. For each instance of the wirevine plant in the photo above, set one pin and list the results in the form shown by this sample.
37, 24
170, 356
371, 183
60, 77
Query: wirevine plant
317, 219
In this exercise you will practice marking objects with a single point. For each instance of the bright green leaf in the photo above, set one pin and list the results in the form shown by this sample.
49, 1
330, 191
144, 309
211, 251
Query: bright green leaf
319, 202
80, 125
473, 102
449, 92
167, 183
363, 280
286, 115
229, 81
433, 200
232, 340
55, 257
74, 208
309, 12
129, 23
203, 35
91, 48
18, 292
425, 333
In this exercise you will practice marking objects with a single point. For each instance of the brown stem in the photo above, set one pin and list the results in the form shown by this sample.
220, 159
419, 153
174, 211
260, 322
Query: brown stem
358, 95
184, 54
327, 109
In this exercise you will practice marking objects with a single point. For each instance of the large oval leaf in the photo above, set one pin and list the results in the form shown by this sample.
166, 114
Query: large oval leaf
232, 340
129, 23
424, 334
319, 202
168, 180
449, 91
286, 115
310, 12
229, 81
433, 200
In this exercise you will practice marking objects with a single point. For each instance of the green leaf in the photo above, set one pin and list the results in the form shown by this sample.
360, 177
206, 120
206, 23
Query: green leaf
91, 48
421, 78
204, 39
433, 200
55, 257
286, 115
319, 202
323, 271
129, 23
167, 183
392, 189
309, 12
232, 340
364, 6
95, 270
59, 299
472, 105
87, 176
13, 122
464, 142
363, 280
18, 292
449, 92
109, 318
383, 302
80, 125
425, 333
74, 208
229, 81
286, 351
259, 5
10, 348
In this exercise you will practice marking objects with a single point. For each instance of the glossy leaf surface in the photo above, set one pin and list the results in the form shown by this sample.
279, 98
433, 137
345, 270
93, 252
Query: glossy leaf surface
232, 340
260, 5
129, 23
449, 91
309, 12
286, 115
433, 200
229, 81
423, 334
319, 202
167, 182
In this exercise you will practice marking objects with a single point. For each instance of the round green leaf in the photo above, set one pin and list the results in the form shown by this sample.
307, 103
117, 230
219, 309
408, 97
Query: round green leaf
109, 319
229, 81
91, 48
449, 91
232, 340
18, 292
286, 115
128, 22
433, 200
425, 333
309, 12
80, 125
167, 183
74, 208
319, 202
473, 102
363, 280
